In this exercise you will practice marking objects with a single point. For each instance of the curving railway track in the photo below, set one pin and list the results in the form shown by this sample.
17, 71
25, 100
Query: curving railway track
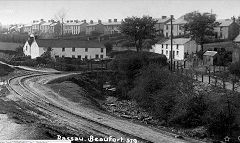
31, 90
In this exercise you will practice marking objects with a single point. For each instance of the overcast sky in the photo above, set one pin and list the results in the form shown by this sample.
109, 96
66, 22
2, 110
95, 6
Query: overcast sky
24, 11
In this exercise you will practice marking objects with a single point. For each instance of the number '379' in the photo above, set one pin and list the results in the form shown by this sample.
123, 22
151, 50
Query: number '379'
131, 141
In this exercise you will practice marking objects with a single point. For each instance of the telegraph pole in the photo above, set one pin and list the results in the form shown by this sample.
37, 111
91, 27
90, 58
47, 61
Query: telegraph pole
171, 37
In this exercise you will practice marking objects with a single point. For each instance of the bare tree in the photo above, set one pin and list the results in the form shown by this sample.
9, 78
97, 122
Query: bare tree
60, 16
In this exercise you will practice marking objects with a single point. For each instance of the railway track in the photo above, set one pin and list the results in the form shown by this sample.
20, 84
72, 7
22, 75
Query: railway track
76, 121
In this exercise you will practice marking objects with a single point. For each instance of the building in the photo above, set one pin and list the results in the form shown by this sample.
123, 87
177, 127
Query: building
178, 27
96, 27
111, 27
236, 50
226, 29
27, 28
211, 58
64, 48
74, 27
36, 25
181, 48
160, 24
45, 27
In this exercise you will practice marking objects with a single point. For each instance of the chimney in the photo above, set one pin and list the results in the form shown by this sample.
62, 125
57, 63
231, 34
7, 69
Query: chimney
172, 16
49, 20
71, 20
233, 18
52, 20
67, 21
76, 21
109, 20
41, 20
91, 21
164, 17
84, 21
115, 20
99, 21
33, 21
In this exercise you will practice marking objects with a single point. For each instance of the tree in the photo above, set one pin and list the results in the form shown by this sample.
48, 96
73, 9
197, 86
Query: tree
108, 46
138, 29
200, 26
60, 16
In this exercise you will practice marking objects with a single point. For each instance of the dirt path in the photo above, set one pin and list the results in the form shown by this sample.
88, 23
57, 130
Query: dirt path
82, 119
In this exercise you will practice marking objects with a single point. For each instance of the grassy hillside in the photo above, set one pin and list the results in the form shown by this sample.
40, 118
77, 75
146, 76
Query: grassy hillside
9, 46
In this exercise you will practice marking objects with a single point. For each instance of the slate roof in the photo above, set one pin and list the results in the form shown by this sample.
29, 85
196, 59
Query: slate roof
60, 43
225, 22
178, 21
210, 53
93, 24
74, 23
112, 23
160, 20
47, 23
179, 41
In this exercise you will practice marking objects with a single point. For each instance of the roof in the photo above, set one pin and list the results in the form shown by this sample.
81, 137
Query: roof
60, 43
74, 23
53, 24
112, 23
237, 39
160, 20
93, 24
178, 21
229, 45
179, 41
210, 53
47, 23
225, 22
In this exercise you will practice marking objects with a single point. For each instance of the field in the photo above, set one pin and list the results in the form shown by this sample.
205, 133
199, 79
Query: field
9, 46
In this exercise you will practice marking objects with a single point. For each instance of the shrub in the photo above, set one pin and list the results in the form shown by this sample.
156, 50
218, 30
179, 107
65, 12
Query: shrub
235, 68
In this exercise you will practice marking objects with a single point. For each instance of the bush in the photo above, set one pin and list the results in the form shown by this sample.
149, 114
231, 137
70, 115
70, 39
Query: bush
235, 68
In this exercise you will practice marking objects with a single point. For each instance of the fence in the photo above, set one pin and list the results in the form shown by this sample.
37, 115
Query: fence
215, 75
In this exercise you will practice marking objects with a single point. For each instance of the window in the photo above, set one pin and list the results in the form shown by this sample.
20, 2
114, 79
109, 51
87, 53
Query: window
96, 56
162, 45
56, 56
166, 46
162, 51
177, 46
101, 56
177, 53
86, 49
86, 57
63, 56
166, 34
166, 52
73, 56
101, 50
166, 27
73, 49
63, 49
79, 56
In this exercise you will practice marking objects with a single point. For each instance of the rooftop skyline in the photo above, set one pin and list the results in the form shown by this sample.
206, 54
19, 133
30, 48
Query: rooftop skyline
24, 11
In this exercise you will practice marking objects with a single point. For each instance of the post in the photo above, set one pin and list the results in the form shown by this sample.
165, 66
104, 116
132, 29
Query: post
174, 65
177, 65
171, 53
209, 77
233, 82
184, 64
215, 81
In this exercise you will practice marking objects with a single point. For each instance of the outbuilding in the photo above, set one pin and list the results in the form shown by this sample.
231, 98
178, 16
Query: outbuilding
210, 58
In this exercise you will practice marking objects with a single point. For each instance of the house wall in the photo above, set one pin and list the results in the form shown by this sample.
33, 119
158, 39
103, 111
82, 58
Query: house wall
111, 29
177, 30
165, 50
26, 49
91, 53
191, 47
236, 55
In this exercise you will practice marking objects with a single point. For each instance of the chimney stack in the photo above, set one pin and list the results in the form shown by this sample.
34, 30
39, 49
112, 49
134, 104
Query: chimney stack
164, 17
84, 21
99, 21
33, 21
109, 20
172, 16
91, 21
67, 21
71, 20
115, 20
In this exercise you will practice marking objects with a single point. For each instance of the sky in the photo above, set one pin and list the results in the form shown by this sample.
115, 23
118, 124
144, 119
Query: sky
24, 11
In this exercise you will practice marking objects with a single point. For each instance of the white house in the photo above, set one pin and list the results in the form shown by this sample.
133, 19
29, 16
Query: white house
64, 48
181, 48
